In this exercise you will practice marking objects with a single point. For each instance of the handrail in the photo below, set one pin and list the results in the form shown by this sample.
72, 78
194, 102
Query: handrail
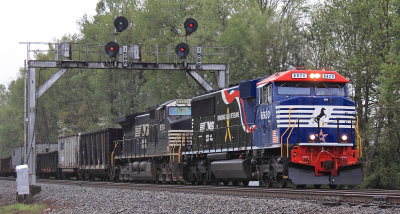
359, 137
287, 140
180, 147
359, 140
112, 153
284, 134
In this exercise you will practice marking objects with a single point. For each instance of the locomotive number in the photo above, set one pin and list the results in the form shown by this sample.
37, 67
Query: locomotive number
329, 76
299, 76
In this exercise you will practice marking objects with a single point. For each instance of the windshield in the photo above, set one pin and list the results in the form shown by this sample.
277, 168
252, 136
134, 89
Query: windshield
329, 89
179, 111
294, 88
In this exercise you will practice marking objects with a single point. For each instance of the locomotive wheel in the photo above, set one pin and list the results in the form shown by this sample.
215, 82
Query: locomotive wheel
267, 181
204, 180
245, 183
332, 186
317, 186
157, 180
300, 186
282, 184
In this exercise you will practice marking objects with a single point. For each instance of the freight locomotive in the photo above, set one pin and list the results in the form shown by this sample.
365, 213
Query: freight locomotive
296, 126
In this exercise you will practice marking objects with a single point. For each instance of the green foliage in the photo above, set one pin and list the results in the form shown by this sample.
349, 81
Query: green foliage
11, 116
358, 39
23, 208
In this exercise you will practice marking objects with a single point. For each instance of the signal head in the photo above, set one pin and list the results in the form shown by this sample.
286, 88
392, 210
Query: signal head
190, 26
120, 23
182, 50
112, 49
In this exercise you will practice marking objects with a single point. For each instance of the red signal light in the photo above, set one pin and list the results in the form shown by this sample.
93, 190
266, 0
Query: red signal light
182, 50
112, 49
190, 26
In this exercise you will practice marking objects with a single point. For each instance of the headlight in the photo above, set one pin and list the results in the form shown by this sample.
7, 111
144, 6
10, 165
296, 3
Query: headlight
311, 138
344, 138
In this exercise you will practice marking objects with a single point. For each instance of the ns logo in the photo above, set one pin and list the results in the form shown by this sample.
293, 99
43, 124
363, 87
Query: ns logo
207, 126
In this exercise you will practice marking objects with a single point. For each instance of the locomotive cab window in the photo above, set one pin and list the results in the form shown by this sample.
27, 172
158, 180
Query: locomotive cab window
294, 88
329, 89
161, 114
266, 94
179, 111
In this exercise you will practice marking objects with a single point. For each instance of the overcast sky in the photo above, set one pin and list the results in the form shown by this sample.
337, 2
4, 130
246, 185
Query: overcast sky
35, 21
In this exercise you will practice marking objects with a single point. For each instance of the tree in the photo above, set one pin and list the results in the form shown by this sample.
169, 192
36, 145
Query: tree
354, 38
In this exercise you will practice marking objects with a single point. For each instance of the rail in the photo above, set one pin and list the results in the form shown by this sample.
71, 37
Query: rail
373, 197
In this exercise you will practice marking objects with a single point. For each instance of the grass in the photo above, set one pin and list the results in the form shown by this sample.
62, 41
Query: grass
23, 208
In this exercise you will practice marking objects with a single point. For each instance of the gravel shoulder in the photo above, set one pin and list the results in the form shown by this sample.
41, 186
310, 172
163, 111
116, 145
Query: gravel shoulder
77, 199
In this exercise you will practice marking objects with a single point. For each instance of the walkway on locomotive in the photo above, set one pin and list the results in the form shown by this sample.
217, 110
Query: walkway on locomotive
315, 103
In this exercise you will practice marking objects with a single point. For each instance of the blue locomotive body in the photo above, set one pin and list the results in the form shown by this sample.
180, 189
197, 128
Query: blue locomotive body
297, 126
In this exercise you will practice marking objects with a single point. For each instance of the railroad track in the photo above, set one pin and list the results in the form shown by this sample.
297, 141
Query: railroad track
373, 196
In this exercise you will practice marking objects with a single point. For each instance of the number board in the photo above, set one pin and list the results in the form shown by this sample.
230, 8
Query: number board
329, 76
299, 75
183, 101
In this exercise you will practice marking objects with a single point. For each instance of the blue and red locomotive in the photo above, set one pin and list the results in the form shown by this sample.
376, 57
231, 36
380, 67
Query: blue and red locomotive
297, 126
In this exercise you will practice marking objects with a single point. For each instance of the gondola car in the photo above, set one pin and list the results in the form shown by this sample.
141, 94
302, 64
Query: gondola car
95, 153
47, 163
6, 167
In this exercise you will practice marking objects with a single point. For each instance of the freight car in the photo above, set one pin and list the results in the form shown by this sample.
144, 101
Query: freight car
95, 152
47, 164
6, 167
68, 156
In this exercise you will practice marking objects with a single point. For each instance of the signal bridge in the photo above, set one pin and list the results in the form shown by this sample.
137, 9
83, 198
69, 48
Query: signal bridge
133, 57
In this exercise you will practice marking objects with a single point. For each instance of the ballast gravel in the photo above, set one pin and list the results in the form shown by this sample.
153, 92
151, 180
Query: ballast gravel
78, 199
